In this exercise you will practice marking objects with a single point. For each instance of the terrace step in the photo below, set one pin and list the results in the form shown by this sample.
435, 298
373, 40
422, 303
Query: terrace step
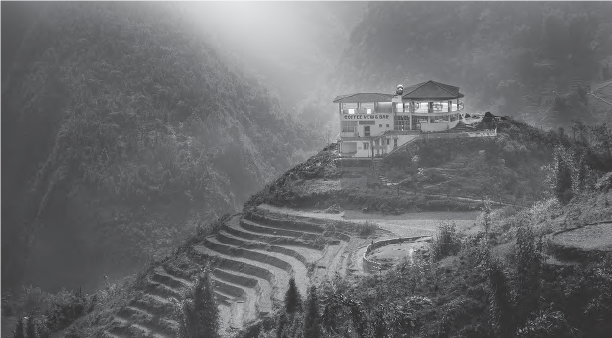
228, 239
232, 277
271, 239
235, 264
129, 312
163, 291
160, 275
296, 224
277, 277
223, 298
146, 331
248, 299
253, 255
261, 287
231, 289
262, 229
107, 334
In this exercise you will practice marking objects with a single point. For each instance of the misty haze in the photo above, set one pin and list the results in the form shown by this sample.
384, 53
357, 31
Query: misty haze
306, 169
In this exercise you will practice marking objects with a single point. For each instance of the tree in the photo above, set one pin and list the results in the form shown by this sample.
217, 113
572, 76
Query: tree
312, 328
293, 299
30, 327
19, 329
605, 72
563, 178
528, 273
500, 308
202, 313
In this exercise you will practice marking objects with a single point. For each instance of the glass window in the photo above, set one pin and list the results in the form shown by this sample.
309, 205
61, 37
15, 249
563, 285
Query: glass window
387, 141
349, 126
401, 122
365, 145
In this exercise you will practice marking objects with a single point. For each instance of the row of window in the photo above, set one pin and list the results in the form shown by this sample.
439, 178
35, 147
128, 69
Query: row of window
400, 123
366, 145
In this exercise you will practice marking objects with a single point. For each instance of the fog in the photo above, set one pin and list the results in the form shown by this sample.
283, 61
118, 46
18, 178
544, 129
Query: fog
289, 46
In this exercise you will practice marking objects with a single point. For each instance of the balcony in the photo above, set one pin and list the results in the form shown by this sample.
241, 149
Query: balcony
349, 134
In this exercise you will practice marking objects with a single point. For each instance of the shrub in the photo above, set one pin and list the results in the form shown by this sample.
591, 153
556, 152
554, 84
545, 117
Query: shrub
446, 242
367, 228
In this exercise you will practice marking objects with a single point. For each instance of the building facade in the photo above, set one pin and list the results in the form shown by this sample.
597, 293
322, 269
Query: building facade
373, 124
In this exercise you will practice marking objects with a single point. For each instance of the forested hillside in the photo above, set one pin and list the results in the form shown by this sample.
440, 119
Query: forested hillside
122, 129
510, 58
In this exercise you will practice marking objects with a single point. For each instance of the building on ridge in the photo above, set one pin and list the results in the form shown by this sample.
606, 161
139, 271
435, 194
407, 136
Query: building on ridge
373, 124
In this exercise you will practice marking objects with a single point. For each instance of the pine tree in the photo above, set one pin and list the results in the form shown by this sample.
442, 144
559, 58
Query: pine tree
502, 313
527, 267
19, 329
312, 328
282, 323
30, 327
563, 179
203, 316
293, 299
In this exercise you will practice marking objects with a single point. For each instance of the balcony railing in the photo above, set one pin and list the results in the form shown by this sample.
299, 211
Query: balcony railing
419, 108
349, 134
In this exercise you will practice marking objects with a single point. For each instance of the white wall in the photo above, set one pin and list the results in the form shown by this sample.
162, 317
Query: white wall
440, 126
380, 122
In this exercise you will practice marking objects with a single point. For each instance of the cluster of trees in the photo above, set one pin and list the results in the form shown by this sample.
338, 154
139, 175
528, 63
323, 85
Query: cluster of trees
122, 123
482, 294
580, 160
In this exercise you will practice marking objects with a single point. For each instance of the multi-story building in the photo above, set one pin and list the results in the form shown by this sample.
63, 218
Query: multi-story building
373, 124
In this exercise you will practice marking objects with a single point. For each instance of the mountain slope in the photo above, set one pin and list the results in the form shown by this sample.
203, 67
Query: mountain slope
122, 129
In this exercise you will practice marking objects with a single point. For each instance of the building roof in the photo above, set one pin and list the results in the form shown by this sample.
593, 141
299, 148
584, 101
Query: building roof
363, 98
431, 90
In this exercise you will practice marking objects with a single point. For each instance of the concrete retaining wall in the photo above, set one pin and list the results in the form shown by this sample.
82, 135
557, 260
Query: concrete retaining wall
371, 266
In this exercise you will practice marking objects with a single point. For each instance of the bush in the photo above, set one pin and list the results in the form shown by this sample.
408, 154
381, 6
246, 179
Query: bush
447, 241
367, 228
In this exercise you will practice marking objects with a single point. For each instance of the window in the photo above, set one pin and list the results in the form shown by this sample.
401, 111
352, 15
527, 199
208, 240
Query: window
394, 143
380, 126
401, 122
387, 141
365, 145
387, 125
349, 126
366, 130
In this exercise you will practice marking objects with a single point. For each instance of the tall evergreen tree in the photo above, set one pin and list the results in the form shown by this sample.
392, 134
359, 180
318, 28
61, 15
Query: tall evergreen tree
293, 299
283, 322
527, 267
19, 329
203, 315
312, 328
502, 313
31, 327
563, 178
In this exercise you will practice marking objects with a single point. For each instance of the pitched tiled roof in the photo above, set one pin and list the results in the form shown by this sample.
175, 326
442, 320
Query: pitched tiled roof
431, 90
363, 98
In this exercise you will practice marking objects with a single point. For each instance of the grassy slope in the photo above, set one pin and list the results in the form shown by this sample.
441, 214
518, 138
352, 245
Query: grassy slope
509, 165
126, 129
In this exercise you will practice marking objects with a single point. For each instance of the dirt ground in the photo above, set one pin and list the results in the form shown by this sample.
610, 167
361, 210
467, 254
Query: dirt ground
406, 225
395, 251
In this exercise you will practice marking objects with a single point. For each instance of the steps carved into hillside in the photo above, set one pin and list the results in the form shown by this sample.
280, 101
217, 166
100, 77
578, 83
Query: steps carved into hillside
251, 261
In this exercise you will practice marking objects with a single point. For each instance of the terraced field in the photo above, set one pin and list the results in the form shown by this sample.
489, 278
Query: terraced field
252, 259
